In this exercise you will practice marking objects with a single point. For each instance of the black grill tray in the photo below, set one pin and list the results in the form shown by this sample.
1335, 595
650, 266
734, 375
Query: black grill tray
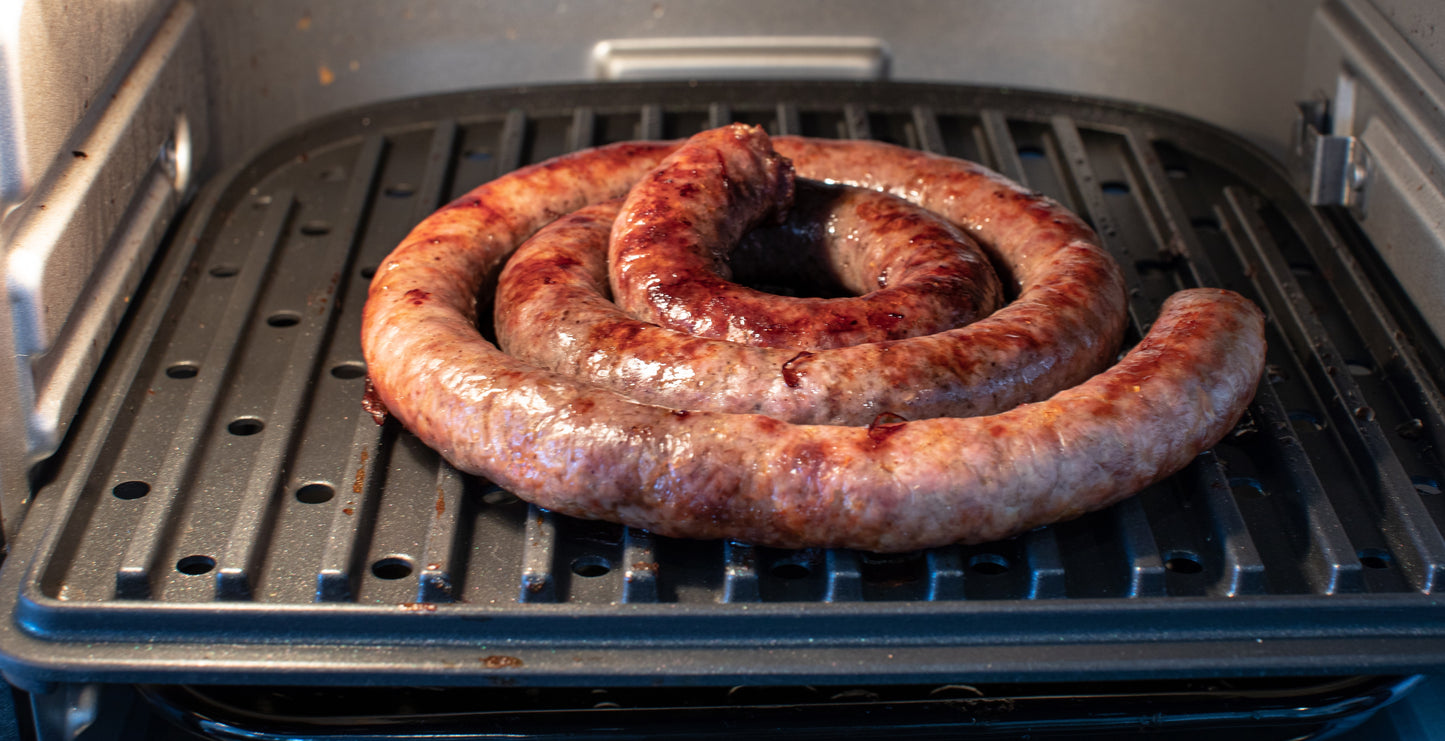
224, 512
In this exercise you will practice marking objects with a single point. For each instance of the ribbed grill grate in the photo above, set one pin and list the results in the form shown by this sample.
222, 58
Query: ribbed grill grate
223, 467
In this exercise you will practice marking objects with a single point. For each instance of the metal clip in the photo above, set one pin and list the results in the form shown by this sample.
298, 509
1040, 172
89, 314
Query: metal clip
1330, 169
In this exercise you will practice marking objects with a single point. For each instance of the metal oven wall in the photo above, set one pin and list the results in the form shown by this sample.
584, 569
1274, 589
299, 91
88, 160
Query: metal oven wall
273, 64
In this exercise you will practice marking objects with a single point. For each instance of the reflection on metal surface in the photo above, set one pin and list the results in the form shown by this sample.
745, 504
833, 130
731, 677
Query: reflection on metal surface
741, 57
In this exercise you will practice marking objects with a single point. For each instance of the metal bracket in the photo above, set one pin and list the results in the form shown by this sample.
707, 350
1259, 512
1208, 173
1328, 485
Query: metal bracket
74, 251
1330, 169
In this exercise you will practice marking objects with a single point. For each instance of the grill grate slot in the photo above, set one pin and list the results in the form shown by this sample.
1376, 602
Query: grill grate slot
539, 543
1045, 564
250, 532
1168, 215
438, 571
1420, 548
582, 133
844, 579
740, 572
1086, 184
134, 577
719, 114
788, 122
1003, 155
927, 131
639, 577
855, 122
1308, 505
337, 575
1243, 567
945, 574
1330, 563
1145, 566
649, 125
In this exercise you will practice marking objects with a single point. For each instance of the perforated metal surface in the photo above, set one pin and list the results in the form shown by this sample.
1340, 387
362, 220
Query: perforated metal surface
224, 511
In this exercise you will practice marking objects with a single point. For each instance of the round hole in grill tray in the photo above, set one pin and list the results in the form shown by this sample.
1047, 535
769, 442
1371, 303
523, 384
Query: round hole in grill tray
183, 370
1411, 429
1114, 187
988, 564
399, 190
1154, 267
497, 496
245, 426
284, 319
348, 371
1183, 562
392, 567
224, 271
1310, 419
1244, 486
130, 489
195, 565
791, 567
591, 566
368, 272
1375, 558
1426, 485
477, 155
1031, 153
1359, 367
891, 569
316, 228
1205, 224
315, 493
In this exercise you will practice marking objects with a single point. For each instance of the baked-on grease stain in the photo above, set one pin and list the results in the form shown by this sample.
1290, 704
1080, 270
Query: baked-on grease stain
372, 404
792, 375
359, 483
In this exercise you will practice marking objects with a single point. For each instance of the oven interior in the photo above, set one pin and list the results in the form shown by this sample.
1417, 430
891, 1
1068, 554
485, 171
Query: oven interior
185, 271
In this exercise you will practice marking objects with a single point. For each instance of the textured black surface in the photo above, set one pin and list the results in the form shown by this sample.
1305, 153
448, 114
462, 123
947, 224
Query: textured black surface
1182, 710
224, 511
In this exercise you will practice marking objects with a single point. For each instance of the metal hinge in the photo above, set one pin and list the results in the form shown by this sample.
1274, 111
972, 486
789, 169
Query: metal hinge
1329, 169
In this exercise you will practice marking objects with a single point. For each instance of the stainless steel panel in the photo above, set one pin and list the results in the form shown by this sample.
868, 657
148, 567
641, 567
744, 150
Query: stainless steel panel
76, 248
274, 64
58, 63
1387, 98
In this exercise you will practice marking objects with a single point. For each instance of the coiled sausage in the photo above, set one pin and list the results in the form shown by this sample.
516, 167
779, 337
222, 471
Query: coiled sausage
892, 485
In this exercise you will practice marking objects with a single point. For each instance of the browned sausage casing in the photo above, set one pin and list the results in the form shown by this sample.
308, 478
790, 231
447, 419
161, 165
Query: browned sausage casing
913, 273
553, 310
1064, 326
575, 449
